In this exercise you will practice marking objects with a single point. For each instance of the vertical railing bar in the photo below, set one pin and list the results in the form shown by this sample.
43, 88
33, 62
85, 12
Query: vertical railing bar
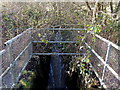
9, 46
26, 63
106, 61
102, 83
31, 40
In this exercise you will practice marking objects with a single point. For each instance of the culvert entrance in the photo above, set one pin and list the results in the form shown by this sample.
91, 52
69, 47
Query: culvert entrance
57, 73
22, 54
54, 70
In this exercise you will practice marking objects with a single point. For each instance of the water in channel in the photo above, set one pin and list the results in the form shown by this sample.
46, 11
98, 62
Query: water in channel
56, 74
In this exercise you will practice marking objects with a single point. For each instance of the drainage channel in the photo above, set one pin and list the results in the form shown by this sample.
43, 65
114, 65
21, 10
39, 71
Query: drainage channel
51, 71
57, 72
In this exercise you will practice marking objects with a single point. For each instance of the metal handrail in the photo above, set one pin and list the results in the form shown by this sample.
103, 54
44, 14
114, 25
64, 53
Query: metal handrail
108, 42
54, 53
2, 52
11, 65
104, 62
58, 53
16, 37
73, 29
57, 42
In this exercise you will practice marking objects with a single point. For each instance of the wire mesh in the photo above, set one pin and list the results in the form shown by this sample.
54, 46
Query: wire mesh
97, 64
21, 62
114, 59
110, 80
5, 60
98, 45
17, 52
7, 80
19, 44
18, 66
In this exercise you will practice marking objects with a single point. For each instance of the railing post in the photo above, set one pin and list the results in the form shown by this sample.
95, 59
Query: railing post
106, 61
10, 55
30, 51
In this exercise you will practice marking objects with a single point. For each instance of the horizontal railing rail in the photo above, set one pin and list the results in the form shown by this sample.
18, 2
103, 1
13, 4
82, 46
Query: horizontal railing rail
57, 42
73, 29
107, 41
58, 53
16, 37
2, 52
62, 29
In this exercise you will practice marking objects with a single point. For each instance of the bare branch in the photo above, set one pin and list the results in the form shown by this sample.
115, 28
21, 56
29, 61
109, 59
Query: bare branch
117, 8
88, 6
111, 7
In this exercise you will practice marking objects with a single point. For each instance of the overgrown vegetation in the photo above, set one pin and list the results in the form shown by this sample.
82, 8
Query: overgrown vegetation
27, 80
16, 17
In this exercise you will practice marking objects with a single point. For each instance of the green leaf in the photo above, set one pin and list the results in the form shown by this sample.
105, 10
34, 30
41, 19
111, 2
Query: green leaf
93, 38
39, 35
88, 25
24, 83
83, 64
43, 40
88, 60
60, 43
46, 41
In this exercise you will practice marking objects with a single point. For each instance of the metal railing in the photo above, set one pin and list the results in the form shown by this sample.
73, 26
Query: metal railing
10, 76
103, 61
13, 60
106, 61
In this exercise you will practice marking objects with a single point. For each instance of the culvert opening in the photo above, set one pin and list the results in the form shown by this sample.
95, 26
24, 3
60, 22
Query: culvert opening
60, 71
37, 75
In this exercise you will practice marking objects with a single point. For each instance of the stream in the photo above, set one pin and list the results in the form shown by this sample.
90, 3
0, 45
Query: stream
56, 74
